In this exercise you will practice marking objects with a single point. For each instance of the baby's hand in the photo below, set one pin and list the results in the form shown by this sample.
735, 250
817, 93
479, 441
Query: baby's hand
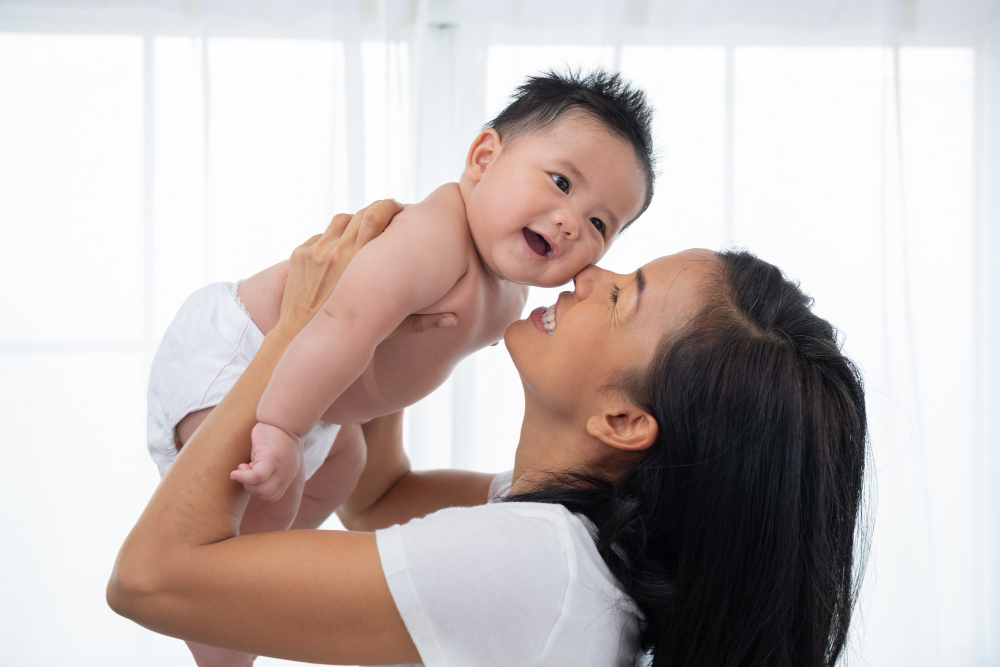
274, 462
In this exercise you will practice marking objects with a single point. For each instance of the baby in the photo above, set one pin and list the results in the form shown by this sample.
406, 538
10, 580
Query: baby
546, 188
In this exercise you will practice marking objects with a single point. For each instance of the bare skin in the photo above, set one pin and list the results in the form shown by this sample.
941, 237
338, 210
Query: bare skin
312, 501
467, 249
321, 596
463, 250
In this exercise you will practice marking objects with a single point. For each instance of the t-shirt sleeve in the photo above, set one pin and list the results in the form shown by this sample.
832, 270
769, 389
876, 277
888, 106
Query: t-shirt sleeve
500, 485
478, 586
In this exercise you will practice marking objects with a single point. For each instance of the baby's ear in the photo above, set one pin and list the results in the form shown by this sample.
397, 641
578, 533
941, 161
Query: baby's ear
484, 149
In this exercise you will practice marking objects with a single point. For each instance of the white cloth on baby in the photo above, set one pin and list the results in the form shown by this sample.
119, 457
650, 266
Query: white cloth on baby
204, 351
507, 584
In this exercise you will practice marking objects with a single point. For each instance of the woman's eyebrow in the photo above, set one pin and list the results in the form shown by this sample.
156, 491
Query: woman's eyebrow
640, 285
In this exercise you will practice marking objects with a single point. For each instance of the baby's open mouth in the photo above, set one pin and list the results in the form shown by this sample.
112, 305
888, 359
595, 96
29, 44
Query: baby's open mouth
537, 242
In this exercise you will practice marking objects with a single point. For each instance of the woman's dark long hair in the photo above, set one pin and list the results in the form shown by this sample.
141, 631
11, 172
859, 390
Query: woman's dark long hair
736, 533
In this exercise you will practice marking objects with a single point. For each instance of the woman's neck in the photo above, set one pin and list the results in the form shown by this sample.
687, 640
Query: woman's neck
549, 444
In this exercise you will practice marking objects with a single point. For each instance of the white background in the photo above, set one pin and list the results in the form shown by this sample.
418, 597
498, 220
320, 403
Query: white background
147, 149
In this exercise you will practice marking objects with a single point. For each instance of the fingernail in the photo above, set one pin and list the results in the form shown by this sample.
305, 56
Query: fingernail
447, 322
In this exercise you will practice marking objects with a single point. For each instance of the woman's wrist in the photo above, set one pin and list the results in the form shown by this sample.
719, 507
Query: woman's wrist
285, 330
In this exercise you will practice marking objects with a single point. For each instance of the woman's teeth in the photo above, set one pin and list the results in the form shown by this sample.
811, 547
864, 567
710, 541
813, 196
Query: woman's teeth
549, 319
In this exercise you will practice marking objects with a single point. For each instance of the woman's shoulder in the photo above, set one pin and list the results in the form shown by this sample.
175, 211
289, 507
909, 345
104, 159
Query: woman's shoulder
511, 574
540, 541
494, 523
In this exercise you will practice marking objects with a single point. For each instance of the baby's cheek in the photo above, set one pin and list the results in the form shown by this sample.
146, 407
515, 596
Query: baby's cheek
570, 266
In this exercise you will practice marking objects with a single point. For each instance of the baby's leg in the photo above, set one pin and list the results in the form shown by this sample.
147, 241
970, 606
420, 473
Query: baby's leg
263, 516
334, 481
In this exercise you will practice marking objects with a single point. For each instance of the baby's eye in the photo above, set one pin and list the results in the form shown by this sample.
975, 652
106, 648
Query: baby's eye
598, 223
561, 182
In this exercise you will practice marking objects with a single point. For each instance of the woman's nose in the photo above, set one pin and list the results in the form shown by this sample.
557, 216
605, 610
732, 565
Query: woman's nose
585, 282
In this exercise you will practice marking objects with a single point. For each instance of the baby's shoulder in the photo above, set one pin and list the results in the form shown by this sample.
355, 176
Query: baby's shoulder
435, 227
442, 207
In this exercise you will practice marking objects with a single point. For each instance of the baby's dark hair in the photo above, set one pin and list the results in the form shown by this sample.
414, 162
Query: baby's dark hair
606, 96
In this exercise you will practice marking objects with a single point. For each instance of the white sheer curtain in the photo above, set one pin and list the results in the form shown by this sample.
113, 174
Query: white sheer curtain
147, 148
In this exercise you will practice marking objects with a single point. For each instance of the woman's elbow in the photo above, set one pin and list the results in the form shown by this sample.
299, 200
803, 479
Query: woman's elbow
131, 586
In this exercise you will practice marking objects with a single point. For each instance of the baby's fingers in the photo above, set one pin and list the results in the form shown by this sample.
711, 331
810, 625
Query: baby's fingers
252, 475
269, 490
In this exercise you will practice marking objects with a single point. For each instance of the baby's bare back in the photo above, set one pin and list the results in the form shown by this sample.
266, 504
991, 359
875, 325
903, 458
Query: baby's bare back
406, 368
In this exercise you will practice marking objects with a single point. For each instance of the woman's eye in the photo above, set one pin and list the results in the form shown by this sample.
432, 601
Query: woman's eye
598, 223
561, 182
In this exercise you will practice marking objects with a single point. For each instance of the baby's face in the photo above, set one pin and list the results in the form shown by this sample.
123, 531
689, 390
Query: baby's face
551, 202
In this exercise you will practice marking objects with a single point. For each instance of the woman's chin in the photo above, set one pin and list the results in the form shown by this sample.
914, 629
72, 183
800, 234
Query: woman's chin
514, 339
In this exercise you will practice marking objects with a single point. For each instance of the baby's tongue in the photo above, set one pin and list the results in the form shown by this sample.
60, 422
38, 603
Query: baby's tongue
535, 242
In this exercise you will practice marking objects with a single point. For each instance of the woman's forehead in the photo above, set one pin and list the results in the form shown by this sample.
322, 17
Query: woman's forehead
690, 263
677, 281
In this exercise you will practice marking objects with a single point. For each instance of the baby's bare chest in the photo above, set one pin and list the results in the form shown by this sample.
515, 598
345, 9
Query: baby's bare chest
406, 368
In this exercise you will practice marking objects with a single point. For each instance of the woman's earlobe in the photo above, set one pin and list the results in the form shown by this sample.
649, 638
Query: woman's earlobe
484, 149
629, 429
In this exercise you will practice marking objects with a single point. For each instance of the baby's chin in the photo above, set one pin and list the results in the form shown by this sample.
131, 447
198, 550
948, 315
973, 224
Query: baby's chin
550, 273
538, 277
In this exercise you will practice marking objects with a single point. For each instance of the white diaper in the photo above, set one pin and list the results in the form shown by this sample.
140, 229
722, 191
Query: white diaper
203, 352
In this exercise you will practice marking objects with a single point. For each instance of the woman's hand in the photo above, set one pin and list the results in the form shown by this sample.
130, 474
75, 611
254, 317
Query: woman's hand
317, 264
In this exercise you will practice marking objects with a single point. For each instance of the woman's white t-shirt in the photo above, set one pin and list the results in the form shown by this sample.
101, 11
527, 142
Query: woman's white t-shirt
507, 584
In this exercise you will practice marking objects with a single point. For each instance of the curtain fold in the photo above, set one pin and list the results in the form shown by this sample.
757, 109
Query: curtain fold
988, 321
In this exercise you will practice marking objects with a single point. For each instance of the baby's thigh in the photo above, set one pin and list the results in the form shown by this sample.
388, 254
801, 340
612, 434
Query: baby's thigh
187, 426
334, 481
342, 467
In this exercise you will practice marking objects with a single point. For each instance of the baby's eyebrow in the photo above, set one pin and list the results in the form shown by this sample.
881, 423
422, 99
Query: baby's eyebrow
571, 168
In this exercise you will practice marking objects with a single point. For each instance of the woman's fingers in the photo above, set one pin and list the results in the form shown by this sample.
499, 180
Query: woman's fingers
420, 323
375, 219
337, 226
317, 264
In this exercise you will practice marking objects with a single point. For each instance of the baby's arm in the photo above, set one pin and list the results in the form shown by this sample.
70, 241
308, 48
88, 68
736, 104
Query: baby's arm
409, 267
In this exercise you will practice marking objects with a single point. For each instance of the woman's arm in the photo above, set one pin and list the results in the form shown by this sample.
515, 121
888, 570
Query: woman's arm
305, 595
388, 492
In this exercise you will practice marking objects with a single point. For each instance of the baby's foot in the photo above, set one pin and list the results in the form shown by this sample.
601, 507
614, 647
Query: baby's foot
274, 462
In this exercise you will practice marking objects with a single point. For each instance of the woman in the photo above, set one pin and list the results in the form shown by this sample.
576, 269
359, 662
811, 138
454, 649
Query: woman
687, 484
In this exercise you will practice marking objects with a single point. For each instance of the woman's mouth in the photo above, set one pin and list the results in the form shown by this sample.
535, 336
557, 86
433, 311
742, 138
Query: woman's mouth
544, 319
537, 244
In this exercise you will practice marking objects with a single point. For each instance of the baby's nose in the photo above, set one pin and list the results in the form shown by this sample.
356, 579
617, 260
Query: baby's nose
565, 222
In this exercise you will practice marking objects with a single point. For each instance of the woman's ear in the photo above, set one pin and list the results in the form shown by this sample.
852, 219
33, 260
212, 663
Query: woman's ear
627, 428
484, 149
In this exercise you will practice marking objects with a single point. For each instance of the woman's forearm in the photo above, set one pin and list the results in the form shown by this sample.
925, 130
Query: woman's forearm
197, 503
419, 493
385, 463
388, 492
